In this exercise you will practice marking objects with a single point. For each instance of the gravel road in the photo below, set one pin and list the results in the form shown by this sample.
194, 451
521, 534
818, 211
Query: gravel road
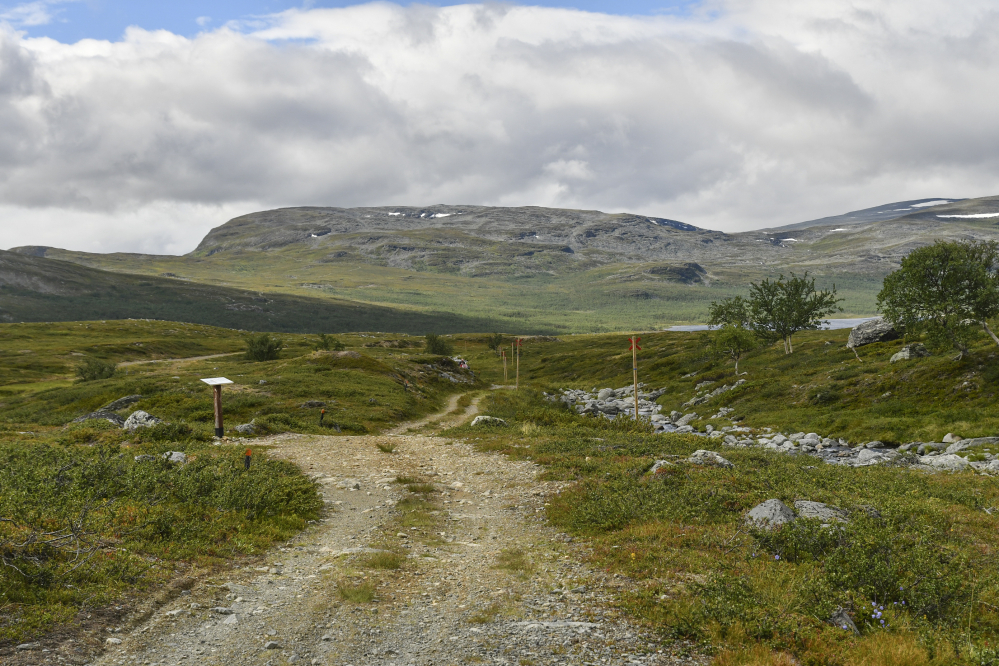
483, 577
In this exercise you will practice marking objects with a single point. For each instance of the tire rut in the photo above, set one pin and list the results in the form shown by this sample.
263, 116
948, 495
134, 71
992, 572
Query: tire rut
484, 578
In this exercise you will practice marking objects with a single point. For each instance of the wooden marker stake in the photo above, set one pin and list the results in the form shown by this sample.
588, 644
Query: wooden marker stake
216, 383
518, 343
634, 368
503, 352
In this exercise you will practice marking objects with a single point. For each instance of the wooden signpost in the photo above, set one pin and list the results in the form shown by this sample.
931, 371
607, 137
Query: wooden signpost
503, 352
216, 383
634, 367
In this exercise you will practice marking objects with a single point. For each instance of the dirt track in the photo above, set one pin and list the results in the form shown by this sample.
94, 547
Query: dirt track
486, 581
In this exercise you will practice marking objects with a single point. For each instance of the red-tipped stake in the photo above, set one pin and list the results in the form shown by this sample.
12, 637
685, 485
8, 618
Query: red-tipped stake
246, 461
517, 346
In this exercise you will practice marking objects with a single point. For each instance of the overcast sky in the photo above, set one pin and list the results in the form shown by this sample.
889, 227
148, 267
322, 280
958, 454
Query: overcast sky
138, 126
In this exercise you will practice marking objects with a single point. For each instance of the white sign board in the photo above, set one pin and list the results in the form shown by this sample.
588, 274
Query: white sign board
217, 381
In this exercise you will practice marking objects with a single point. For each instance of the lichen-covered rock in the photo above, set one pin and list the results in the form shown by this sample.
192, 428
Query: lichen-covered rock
770, 514
821, 511
101, 415
487, 420
703, 457
140, 419
909, 352
871, 331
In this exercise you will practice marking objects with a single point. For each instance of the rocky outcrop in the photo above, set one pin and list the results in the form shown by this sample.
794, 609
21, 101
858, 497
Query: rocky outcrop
101, 414
909, 352
140, 419
487, 420
122, 403
871, 331
769, 515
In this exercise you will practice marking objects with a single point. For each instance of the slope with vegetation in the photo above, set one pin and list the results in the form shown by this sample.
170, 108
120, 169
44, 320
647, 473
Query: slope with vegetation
537, 268
94, 517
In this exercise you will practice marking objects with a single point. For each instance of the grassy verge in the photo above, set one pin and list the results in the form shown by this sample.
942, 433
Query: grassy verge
83, 525
918, 551
90, 513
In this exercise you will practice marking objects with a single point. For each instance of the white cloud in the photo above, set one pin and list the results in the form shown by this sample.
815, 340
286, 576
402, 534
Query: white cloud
747, 114
31, 14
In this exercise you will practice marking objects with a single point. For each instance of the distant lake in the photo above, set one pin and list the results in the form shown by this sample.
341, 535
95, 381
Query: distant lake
830, 325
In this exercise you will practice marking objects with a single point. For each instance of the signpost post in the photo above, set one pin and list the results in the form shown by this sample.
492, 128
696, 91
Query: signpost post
503, 352
634, 367
216, 384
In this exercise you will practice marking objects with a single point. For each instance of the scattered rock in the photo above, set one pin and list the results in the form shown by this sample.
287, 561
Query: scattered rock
487, 420
247, 428
963, 444
823, 512
871, 331
313, 404
685, 419
232, 619
176, 457
140, 419
350, 484
121, 403
658, 465
101, 414
909, 352
842, 619
222, 610
950, 438
27, 647
272, 645
946, 462
702, 457
113, 641
770, 514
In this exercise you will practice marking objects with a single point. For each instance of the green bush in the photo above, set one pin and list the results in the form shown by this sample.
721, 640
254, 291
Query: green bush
438, 345
94, 368
262, 347
327, 342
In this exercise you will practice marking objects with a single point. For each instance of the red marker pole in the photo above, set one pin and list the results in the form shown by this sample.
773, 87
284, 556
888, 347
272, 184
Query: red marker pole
634, 368
246, 461
503, 352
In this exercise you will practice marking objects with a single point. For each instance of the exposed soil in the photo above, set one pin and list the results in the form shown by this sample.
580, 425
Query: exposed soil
483, 577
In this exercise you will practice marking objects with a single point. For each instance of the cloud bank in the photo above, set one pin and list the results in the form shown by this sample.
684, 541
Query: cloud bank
744, 114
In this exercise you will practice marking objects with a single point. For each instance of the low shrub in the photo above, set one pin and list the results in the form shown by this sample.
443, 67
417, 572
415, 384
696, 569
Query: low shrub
262, 347
93, 369
438, 345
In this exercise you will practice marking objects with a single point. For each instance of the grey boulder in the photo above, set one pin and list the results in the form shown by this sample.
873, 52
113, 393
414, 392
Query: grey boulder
659, 464
842, 619
909, 352
945, 463
702, 457
972, 443
820, 511
99, 415
487, 420
140, 419
871, 331
176, 457
122, 403
246, 428
770, 514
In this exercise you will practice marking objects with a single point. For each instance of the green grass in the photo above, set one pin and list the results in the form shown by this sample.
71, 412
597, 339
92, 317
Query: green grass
144, 520
85, 524
362, 592
385, 560
754, 597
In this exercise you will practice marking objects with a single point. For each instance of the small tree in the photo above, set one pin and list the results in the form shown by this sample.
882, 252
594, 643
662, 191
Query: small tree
781, 308
949, 290
495, 341
730, 312
734, 342
94, 368
439, 345
327, 342
262, 347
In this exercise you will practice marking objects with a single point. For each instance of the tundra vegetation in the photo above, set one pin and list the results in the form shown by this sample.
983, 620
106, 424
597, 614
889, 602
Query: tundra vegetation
919, 547
93, 516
